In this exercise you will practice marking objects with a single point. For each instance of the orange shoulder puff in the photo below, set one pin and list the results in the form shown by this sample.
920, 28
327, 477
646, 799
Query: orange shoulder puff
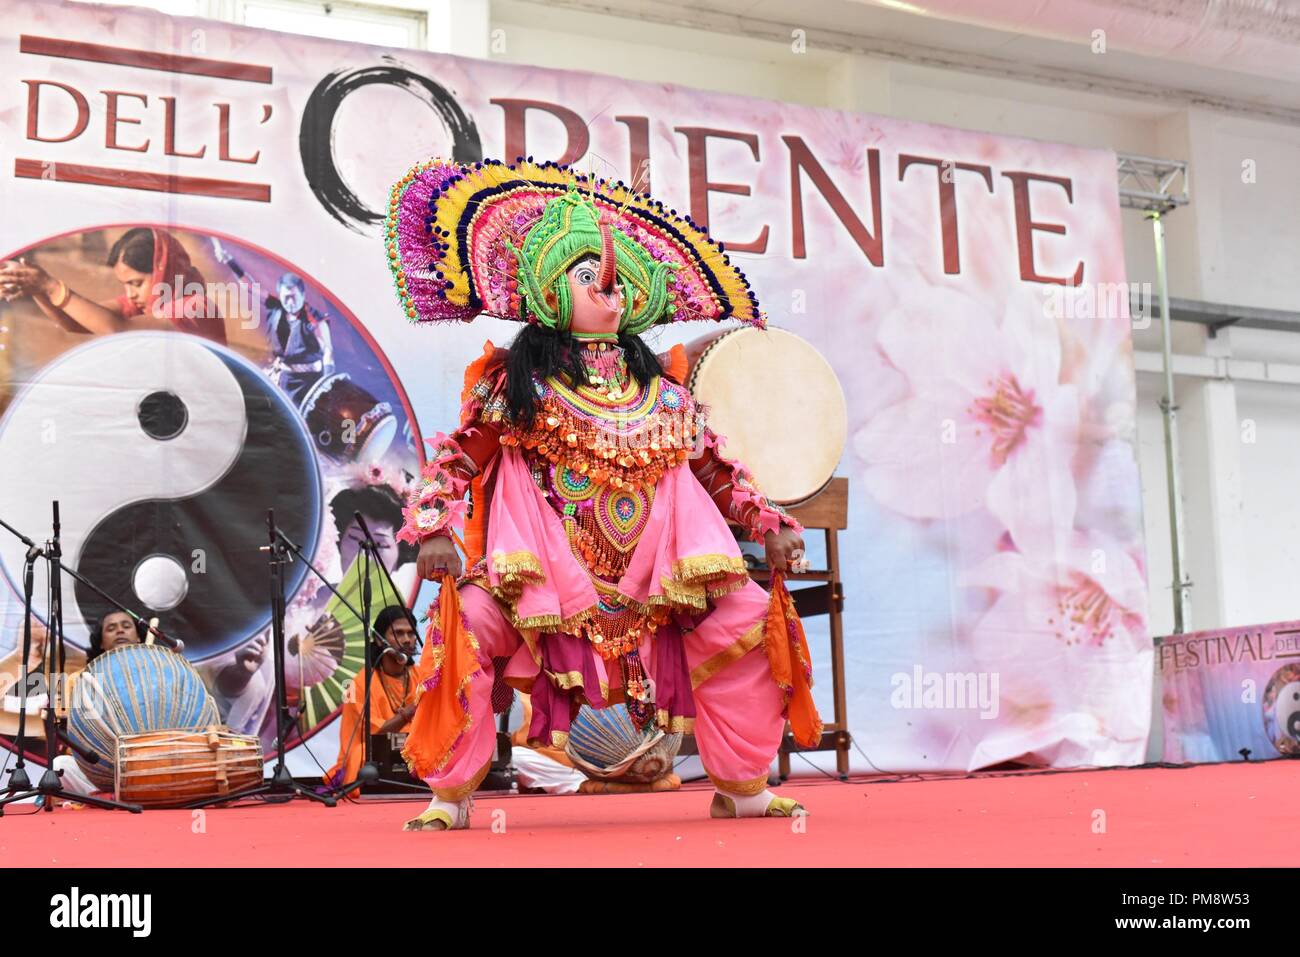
674, 363
488, 362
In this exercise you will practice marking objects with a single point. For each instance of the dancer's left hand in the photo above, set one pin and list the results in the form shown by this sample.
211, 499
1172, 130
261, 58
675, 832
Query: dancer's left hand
784, 547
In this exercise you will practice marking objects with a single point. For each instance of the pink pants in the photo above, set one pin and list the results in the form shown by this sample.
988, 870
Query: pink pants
738, 722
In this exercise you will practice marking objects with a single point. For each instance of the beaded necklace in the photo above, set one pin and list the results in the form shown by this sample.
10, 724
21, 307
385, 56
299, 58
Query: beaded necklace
613, 429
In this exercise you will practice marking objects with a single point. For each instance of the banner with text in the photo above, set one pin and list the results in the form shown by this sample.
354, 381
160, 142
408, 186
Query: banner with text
198, 325
1231, 694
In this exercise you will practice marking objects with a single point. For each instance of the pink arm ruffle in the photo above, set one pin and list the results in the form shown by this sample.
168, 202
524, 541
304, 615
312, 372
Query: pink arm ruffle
437, 503
747, 505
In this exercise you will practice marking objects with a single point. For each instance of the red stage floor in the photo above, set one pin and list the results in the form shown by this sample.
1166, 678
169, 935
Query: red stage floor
1214, 816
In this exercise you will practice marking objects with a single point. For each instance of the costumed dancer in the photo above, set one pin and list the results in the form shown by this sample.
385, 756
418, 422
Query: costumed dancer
600, 561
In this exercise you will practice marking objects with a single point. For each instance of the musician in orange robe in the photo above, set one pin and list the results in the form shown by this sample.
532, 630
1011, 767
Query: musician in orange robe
393, 685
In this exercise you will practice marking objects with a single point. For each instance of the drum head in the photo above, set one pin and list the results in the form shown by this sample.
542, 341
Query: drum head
779, 405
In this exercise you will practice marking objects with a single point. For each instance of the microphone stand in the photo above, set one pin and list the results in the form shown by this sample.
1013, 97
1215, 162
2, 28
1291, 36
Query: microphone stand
281, 787
369, 772
51, 783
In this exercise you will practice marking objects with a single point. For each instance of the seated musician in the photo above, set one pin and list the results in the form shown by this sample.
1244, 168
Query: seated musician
114, 629
393, 692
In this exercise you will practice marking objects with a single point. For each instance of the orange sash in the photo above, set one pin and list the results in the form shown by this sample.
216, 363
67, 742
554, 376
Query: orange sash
791, 664
450, 660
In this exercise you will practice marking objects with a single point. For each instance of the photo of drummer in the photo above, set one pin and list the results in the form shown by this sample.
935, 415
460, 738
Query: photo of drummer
300, 338
392, 692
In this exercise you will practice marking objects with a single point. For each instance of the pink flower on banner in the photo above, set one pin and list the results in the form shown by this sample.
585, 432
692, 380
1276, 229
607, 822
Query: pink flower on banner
1088, 593
1065, 637
986, 423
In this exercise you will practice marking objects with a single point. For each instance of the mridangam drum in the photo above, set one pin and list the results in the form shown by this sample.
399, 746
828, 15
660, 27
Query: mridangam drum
173, 768
778, 403
130, 689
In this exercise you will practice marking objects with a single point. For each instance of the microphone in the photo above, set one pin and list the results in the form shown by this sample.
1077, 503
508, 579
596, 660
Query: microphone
151, 629
402, 657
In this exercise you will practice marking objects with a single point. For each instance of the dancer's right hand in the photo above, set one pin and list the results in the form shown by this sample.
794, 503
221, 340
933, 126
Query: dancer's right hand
438, 556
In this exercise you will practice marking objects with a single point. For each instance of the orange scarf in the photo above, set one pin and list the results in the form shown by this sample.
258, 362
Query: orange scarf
450, 660
791, 664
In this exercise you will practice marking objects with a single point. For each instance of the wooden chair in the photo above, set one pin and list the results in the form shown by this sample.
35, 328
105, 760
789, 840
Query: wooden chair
827, 512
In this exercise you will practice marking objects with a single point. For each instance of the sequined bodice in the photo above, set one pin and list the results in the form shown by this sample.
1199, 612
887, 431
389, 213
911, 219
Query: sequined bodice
597, 451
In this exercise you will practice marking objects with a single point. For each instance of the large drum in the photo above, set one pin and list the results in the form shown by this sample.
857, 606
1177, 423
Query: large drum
131, 689
347, 422
779, 405
174, 768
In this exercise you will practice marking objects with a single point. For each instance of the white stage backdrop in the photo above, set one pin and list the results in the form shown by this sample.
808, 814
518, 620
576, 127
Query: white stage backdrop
966, 288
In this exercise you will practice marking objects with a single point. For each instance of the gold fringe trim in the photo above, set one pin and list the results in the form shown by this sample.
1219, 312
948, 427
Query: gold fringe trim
698, 568
566, 680
539, 623
516, 570
683, 595
674, 724
733, 652
720, 591
462, 791
743, 788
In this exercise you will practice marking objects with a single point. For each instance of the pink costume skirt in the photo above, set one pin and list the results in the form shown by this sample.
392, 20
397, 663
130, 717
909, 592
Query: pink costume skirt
708, 666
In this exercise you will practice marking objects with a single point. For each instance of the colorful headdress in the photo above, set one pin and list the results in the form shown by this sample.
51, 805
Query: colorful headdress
498, 239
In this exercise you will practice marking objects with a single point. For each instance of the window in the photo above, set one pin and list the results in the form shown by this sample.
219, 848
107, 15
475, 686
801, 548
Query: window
391, 23
358, 22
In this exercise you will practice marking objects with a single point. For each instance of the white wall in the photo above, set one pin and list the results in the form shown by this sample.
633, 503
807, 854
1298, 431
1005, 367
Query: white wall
1237, 243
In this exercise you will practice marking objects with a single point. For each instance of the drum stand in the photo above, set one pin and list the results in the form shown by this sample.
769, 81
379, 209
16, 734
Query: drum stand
282, 787
50, 787
368, 773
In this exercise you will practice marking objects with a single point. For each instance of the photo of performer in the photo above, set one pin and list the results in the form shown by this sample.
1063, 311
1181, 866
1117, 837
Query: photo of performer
393, 692
381, 508
11, 669
298, 333
302, 332
300, 338
158, 279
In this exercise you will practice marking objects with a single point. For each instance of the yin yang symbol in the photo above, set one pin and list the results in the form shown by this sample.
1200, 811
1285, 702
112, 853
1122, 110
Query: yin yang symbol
165, 452
1282, 709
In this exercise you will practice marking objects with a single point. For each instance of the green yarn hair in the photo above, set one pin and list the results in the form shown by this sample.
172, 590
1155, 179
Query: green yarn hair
568, 232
